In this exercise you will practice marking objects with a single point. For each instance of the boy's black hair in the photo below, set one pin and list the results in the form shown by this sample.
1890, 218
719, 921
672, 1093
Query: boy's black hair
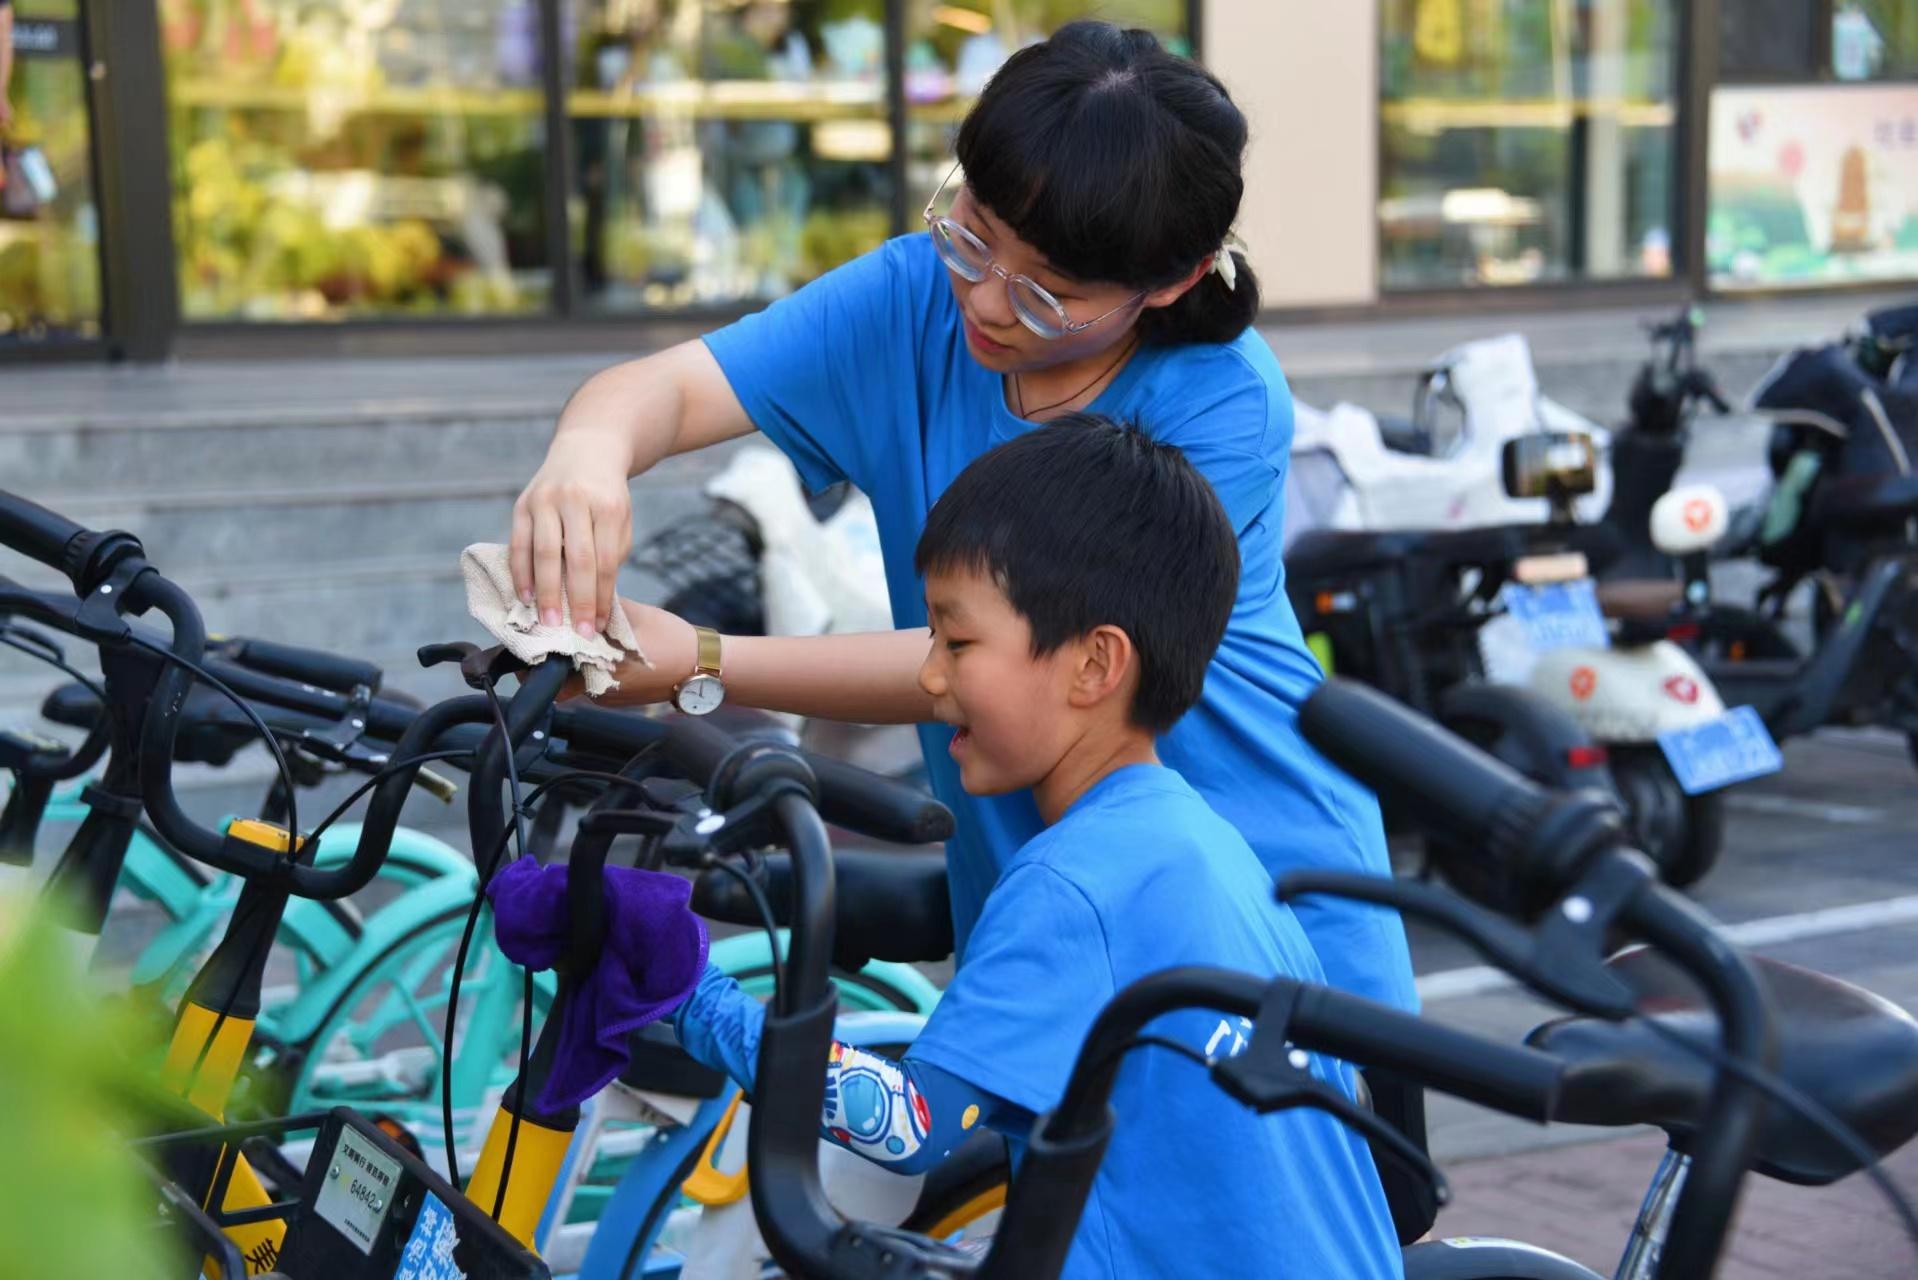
1119, 161
1085, 523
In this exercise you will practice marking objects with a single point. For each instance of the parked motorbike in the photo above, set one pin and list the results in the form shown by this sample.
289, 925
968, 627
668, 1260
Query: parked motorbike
1840, 519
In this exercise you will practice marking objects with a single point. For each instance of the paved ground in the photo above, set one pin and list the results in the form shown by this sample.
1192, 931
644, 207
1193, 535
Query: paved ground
1835, 830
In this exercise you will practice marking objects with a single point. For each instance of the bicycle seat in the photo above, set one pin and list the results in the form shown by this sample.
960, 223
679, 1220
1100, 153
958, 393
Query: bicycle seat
1640, 599
1854, 1052
892, 906
72, 705
659, 1065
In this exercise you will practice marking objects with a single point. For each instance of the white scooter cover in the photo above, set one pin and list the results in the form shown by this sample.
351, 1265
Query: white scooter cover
1627, 695
816, 578
1343, 475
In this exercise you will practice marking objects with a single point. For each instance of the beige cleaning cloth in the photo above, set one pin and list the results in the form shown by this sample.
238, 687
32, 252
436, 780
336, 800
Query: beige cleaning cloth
490, 599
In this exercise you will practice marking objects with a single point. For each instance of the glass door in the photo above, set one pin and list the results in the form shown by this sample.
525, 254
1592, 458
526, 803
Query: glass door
49, 223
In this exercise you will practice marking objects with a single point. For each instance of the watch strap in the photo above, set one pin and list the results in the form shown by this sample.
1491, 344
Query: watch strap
707, 663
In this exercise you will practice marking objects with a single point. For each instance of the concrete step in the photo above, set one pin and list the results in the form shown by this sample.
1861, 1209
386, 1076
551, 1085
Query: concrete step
268, 452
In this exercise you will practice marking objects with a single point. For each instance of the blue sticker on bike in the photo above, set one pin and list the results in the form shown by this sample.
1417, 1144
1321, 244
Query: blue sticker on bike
429, 1250
1734, 747
1557, 615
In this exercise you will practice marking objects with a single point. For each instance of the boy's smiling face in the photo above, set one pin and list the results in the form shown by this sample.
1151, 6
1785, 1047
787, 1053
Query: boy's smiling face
983, 679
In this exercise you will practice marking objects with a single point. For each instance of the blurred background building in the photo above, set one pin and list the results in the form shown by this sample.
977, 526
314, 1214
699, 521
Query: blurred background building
229, 175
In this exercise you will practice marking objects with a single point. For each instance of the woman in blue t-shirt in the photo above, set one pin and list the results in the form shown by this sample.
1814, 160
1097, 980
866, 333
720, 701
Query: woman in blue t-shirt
1080, 263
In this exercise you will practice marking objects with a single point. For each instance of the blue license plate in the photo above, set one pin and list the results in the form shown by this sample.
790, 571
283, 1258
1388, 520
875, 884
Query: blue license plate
1734, 747
1557, 615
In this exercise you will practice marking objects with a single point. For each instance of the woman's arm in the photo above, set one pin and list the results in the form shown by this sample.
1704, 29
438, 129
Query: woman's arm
865, 678
905, 1115
573, 525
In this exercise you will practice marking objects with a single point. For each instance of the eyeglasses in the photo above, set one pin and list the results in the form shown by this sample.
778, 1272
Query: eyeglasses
968, 256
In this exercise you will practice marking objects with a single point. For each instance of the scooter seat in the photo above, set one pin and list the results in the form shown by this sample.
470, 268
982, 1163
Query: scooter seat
1854, 1052
1402, 435
891, 906
1640, 599
1336, 552
1866, 502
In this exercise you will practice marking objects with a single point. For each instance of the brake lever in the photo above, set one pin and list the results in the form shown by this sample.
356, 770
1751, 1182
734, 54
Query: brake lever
701, 834
42, 644
1272, 1074
1563, 960
480, 668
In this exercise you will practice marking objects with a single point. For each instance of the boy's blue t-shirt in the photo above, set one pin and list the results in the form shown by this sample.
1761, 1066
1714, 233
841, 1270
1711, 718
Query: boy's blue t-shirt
1139, 876
864, 375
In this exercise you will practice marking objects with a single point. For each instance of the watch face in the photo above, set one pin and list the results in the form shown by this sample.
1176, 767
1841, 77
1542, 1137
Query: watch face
700, 695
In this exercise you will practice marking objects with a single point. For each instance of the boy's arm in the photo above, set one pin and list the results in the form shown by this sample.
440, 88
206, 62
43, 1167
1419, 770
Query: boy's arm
906, 1115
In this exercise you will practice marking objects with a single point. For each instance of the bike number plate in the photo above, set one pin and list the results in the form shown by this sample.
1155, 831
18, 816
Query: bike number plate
1734, 747
1557, 615
357, 1190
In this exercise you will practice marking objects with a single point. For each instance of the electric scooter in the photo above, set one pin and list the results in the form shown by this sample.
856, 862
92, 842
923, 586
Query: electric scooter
1355, 470
1840, 520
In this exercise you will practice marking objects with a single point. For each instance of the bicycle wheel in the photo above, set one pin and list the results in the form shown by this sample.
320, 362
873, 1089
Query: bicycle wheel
378, 1045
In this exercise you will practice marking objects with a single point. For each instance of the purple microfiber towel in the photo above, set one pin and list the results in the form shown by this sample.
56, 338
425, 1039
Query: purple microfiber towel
655, 951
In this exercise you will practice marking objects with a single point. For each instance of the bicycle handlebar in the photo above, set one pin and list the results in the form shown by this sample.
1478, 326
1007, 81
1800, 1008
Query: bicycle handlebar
848, 796
314, 667
1488, 809
1551, 839
1056, 1176
82, 554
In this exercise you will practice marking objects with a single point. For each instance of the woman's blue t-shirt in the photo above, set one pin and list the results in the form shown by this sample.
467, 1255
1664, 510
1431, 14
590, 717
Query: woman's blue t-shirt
863, 375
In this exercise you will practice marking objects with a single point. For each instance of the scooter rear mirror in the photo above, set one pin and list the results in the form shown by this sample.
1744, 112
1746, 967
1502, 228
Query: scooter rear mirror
1559, 465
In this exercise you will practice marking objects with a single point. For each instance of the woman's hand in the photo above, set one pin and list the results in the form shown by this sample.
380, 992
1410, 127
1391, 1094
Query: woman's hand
574, 524
668, 641
572, 527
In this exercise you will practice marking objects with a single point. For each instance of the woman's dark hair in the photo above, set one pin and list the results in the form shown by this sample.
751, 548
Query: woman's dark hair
1084, 523
1118, 161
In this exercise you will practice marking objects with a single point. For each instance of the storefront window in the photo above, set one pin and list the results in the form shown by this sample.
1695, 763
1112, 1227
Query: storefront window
361, 158
1526, 141
723, 152
49, 226
1769, 39
1875, 40
1813, 184
952, 49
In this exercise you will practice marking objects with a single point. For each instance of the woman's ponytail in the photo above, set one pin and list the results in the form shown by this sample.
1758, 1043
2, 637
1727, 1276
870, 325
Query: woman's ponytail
1210, 311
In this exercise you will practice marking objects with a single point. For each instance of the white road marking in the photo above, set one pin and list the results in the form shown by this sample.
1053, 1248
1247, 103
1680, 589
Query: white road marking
1771, 931
1789, 806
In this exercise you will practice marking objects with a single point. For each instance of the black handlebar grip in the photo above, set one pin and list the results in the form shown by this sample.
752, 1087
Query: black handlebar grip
309, 666
36, 532
877, 806
850, 797
1509, 1078
697, 748
1443, 781
84, 556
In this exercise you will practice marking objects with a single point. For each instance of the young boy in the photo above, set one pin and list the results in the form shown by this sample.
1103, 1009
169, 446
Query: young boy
1078, 580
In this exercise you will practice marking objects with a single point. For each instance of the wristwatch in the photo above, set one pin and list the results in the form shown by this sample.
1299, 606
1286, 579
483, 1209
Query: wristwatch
701, 692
